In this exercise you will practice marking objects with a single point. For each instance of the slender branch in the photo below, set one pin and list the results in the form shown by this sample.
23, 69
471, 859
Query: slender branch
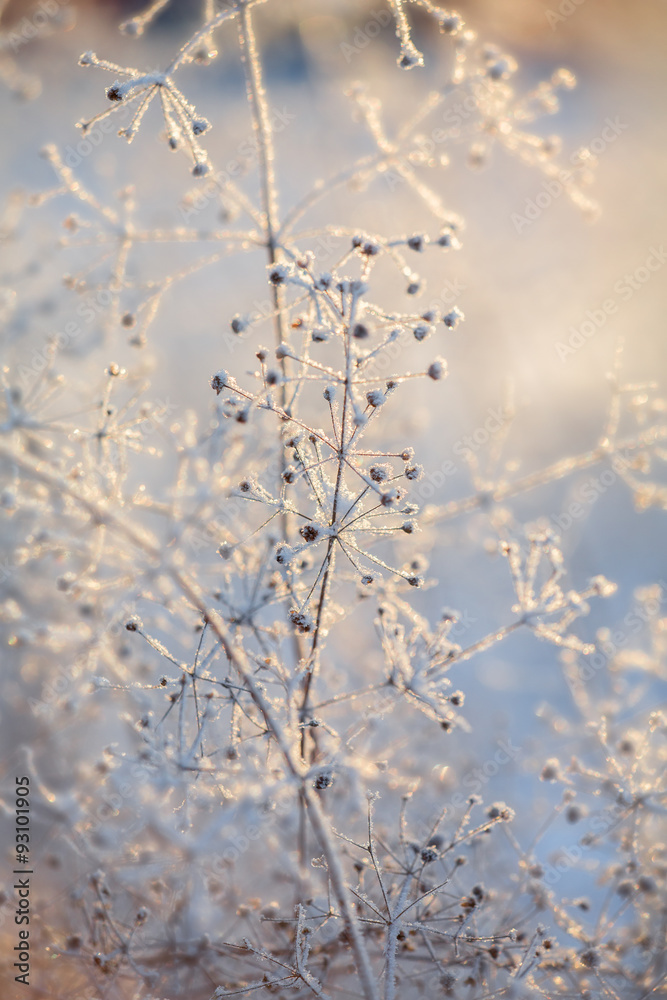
239, 659
269, 198
551, 473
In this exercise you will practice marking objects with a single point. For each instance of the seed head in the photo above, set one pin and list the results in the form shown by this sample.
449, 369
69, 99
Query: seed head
450, 23
447, 240
414, 471
453, 318
417, 243
278, 274
573, 813
589, 958
647, 885
603, 587
239, 323
421, 331
375, 397
437, 369
502, 68
501, 811
551, 770
220, 381
410, 56
301, 620
379, 473
284, 554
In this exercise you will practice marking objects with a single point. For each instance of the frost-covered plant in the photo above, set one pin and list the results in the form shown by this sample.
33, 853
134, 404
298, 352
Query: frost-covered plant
242, 661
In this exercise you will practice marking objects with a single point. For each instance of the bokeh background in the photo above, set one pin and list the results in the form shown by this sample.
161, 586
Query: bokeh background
521, 291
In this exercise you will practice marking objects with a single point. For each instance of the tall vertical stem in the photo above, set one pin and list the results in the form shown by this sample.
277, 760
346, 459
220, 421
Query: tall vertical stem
269, 199
265, 152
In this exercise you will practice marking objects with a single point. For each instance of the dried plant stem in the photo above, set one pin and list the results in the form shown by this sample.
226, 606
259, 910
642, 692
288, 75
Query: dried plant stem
266, 157
550, 474
269, 200
393, 928
240, 661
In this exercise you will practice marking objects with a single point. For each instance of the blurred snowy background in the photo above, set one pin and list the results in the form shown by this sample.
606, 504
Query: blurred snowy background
525, 288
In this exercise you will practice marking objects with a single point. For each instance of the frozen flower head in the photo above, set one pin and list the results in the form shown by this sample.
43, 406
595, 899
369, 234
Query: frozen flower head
453, 318
183, 124
375, 398
279, 273
302, 621
437, 369
219, 381
379, 473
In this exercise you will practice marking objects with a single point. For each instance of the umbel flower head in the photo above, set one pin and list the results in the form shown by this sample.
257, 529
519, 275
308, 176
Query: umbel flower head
183, 124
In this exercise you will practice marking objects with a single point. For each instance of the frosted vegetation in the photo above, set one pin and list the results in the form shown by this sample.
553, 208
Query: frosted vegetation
267, 779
